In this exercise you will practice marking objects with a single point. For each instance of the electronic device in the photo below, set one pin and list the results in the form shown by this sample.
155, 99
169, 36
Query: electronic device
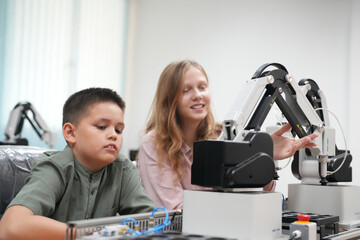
242, 155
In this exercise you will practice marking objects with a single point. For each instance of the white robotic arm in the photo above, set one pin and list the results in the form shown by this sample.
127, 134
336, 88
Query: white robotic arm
16, 122
243, 123
332, 165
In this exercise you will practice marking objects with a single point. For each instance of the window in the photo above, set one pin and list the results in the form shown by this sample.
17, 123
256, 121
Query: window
50, 49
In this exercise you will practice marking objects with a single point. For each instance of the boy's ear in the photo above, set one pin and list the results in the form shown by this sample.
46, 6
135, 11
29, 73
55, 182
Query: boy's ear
69, 132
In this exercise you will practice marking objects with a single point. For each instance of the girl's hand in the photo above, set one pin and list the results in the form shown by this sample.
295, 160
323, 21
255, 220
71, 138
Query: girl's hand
285, 147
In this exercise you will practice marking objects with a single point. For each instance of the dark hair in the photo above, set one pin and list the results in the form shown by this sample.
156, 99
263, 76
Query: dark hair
78, 104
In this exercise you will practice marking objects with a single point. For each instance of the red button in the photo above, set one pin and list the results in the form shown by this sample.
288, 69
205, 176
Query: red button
303, 217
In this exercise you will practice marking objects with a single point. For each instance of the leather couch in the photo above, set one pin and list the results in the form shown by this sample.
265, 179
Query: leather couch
15, 165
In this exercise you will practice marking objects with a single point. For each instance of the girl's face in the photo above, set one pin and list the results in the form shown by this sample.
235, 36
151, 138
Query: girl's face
194, 102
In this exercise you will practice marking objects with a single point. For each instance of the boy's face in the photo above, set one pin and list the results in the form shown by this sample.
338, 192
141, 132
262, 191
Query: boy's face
97, 138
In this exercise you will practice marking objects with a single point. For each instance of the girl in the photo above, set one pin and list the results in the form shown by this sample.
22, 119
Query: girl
180, 115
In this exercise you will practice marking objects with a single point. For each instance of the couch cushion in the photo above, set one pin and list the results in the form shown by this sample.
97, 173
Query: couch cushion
15, 165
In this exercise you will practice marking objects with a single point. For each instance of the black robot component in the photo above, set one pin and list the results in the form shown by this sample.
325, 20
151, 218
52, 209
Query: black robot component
234, 164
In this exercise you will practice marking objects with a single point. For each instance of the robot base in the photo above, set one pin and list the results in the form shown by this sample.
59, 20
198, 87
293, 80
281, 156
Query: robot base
338, 200
240, 215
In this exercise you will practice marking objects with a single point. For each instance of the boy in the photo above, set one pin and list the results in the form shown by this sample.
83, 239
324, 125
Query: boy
88, 179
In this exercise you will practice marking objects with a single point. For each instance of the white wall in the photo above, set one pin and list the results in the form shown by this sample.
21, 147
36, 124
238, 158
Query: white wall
352, 118
231, 39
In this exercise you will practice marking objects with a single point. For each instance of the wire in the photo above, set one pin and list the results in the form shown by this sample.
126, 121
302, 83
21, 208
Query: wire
295, 234
136, 226
175, 214
159, 227
129, 219
342, 132
166, 212
292, 237
288, 162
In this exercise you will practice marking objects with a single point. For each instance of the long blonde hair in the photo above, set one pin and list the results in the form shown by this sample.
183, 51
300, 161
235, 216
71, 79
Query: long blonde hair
165, 120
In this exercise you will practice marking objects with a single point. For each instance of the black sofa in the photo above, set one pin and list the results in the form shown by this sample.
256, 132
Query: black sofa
15, 165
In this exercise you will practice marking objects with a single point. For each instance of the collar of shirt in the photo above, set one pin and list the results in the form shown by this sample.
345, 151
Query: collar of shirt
186, 150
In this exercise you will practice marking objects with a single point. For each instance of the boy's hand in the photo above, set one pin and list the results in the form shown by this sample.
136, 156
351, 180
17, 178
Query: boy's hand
19, 222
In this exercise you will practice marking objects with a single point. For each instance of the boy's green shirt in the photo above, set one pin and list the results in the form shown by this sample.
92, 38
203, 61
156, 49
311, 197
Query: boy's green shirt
61, 188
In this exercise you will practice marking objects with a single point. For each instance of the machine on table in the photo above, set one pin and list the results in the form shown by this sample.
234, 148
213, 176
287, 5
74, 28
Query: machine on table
242, 157
107, 227
21, 112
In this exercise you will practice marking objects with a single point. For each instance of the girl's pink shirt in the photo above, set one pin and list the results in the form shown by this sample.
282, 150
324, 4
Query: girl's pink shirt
159, 182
